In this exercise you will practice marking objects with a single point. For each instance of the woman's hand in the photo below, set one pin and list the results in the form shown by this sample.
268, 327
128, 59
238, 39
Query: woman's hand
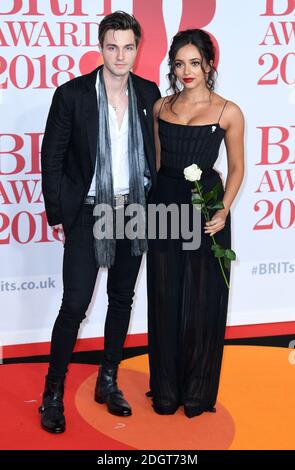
217, 222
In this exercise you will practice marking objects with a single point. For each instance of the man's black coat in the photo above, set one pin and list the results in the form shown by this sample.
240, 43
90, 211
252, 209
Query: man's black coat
69, 145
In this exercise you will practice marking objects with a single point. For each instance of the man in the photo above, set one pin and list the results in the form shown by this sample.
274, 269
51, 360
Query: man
98, 148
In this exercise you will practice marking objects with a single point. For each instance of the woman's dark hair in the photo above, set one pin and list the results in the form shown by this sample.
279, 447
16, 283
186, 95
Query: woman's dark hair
119, 20
203, 42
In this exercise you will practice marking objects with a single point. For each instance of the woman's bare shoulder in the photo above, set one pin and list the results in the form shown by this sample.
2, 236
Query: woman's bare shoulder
231, 107
158, 104
164, 101
232, 112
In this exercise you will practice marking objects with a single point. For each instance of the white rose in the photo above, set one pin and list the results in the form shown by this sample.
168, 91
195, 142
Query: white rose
192, 173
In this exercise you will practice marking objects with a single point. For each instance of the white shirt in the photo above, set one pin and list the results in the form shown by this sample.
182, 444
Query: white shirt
119, 149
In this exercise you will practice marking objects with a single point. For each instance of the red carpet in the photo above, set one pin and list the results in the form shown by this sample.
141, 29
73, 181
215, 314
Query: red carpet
255, 408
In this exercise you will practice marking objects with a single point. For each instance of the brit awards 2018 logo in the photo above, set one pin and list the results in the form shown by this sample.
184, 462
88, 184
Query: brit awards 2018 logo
44, 44
74, 25
274, 209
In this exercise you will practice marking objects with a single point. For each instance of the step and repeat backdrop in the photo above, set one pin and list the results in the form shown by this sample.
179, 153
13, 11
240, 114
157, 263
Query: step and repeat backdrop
44, 43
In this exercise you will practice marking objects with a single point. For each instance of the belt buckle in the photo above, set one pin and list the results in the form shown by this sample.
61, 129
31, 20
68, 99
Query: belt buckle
89, 200
119, 201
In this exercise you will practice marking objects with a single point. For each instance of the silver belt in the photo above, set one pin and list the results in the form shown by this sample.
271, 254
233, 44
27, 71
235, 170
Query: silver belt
119, 200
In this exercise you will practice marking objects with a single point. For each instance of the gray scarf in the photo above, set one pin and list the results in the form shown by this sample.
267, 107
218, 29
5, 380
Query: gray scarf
105, 247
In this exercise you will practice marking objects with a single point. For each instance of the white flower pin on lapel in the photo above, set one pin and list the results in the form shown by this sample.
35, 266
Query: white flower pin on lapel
213, 128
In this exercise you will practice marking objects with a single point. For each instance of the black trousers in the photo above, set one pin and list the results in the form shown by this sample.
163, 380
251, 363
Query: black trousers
79, 277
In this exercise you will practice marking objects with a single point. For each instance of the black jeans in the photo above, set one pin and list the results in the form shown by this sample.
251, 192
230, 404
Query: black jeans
79, 277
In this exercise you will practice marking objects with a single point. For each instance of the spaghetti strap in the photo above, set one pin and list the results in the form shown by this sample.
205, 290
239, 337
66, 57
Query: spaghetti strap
164, 99
222, 110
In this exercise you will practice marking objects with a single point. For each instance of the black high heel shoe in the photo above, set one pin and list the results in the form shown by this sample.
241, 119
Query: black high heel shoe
165, 409
190, 411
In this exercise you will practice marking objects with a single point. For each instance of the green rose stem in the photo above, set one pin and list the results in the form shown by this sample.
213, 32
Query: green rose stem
207, 218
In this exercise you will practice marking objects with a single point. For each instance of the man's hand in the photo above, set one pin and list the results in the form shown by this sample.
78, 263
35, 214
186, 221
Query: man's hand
59, 232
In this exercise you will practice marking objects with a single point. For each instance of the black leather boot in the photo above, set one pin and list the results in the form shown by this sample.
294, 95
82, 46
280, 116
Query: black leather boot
52, 408
106, 391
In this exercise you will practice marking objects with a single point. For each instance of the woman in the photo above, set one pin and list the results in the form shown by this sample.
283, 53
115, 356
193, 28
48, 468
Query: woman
188, 296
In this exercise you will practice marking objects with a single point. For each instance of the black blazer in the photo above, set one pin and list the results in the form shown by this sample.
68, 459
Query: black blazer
68, 150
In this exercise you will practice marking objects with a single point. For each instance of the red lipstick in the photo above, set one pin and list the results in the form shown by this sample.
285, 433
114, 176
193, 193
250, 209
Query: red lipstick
188, 80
